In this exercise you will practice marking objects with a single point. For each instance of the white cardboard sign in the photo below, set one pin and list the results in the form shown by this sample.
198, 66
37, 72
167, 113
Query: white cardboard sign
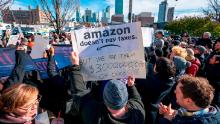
147, 34
13, 40
111, 52
40, 44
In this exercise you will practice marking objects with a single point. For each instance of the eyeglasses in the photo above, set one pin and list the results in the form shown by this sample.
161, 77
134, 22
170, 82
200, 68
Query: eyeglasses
31, 106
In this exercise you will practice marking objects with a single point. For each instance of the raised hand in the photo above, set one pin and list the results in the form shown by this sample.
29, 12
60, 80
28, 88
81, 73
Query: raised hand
167, 111
131, 80
75, 58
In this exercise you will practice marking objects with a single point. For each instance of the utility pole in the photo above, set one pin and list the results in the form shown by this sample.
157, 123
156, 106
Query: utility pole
130, 11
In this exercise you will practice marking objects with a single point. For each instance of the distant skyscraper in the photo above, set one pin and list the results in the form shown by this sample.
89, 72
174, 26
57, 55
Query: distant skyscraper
103, 13
107, 12
170, 14
77, 14
162, 15
94, 17
118, 7
88, 15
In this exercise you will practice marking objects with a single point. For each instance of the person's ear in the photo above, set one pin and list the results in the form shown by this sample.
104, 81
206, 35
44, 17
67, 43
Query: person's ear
188, 101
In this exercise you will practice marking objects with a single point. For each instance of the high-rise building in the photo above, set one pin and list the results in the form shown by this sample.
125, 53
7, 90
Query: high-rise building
170, 14
94, 17
107, 12
118, 7
162, 15
103, 13
88, 15
77, 14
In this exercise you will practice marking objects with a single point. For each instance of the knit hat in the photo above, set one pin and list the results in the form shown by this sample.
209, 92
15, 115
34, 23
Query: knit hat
180, 63
115, 94
201, 49
190, 54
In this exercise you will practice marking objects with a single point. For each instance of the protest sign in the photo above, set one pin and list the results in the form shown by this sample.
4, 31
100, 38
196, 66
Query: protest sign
111, 52
62, 55
39, 47
7, 61
13, 40
74, 42
41, 66
148, 36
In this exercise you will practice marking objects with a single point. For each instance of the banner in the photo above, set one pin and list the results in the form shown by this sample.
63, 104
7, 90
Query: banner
111, 52
40, 44
148, 36
41, 66
62, 55
7, 61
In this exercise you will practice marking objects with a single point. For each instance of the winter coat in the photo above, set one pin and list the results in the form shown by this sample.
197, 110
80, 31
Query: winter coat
95, 112
153, 90
212, 117
194, 68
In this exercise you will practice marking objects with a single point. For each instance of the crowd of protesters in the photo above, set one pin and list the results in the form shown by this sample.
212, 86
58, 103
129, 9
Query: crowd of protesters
182, 86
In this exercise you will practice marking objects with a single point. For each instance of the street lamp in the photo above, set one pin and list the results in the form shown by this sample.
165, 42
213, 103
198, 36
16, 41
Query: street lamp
130, 11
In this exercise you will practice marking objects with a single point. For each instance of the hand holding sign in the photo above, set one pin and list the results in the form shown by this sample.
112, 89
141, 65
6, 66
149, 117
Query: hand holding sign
74, 58
131, 81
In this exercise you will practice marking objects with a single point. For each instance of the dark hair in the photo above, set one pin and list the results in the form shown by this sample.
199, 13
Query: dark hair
165, 68
160, 32
217, 57
216, 41
159, 53
198, 89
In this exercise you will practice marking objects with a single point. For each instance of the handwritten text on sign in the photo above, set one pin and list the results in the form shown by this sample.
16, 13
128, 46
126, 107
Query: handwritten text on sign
111, 52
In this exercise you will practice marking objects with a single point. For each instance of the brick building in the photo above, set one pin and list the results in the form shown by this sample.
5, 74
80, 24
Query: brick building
145, 18
30, 16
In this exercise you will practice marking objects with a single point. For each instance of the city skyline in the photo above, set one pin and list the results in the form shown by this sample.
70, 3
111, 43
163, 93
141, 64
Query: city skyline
181, 8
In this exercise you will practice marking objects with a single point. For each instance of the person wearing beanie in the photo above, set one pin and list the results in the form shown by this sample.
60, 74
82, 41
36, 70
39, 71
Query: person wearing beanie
195, 63
121, 103
115, 95
181, 65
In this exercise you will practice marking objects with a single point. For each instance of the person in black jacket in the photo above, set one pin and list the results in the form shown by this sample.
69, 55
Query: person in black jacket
155, 88
122, 104
19, 74
213, 75
205, 40
194, 95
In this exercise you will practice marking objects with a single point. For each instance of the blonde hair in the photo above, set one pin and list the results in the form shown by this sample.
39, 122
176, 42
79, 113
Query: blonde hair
179, 51
17, 96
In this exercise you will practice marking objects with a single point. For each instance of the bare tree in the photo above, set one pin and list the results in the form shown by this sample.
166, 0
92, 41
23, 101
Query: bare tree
213, 10
58, 12
5, 3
